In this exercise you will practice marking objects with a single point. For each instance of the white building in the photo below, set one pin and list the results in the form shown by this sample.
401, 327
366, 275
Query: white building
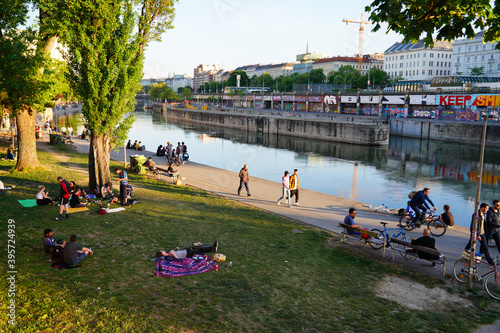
416, 62
330, 65
473, 53
179, 81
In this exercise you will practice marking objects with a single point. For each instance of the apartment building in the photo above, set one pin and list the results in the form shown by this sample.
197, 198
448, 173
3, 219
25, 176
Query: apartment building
473, 53
417, 62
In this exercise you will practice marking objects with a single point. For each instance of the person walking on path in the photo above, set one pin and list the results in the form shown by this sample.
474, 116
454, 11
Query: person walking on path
480, 234
123, 185
64, 196
285, 181
294, 186
244, 179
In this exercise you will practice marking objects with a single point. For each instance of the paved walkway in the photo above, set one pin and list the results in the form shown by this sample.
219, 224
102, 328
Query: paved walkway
317, 209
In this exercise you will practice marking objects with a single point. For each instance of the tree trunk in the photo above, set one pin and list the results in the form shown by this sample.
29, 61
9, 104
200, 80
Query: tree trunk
27, 156
99, 156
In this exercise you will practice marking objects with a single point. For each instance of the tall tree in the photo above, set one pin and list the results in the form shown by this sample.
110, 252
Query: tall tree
317, 76
24, 76
440, 19
244, 80
106, 42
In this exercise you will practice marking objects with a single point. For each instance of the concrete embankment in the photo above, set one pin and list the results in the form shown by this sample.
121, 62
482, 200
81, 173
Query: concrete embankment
375, 133
454, 131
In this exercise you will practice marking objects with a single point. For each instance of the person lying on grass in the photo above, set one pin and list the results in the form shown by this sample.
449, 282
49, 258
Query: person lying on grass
188, 252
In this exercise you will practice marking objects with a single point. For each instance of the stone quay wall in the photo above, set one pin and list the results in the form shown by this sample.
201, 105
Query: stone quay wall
376, 133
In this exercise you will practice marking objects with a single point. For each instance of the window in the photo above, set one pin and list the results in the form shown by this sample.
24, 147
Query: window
400, 65
430, 71
401, 57
418, 63
449, 63
401, 72
418, 55
431, 55
438, 55
423, 71
423, 63
459, 50
475, 58
441, 72
482, 57
431, 63
424, 55
406, 73
413, 72
411, 55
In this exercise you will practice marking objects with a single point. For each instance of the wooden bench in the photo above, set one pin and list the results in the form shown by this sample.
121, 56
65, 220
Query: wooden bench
159, 173
373, 237
405, 248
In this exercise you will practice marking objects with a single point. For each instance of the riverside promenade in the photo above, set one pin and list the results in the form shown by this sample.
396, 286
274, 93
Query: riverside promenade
316, 209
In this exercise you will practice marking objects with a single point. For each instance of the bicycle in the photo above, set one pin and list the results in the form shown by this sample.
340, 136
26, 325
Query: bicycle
434, 224
173, 159
133, 169
491, 279
386, 239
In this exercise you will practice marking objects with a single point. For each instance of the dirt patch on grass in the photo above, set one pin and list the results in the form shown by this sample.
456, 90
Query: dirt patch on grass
415, 295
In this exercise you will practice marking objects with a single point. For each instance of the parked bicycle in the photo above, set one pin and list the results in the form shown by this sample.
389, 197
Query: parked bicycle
434, 224
491, 279
384, 235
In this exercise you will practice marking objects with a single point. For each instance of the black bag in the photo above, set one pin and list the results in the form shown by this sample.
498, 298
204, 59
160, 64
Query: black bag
57, 253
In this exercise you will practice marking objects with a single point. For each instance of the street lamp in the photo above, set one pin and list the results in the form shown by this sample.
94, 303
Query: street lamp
472, 255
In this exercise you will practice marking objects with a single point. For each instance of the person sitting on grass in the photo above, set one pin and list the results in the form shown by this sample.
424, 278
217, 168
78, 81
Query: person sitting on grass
426, 241
74, 201
10, 156
188, 252
42, 197
49, 241
74, 253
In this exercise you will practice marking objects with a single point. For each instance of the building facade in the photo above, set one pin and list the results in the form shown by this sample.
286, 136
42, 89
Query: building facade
473, 53
417, 62
204, 74
330, 65
179, 81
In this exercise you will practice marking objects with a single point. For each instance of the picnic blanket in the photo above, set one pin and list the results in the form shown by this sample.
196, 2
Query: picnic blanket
186, 266
77, 209
27, 203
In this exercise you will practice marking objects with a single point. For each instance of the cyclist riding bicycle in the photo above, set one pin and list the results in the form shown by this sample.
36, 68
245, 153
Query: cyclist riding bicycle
419, 205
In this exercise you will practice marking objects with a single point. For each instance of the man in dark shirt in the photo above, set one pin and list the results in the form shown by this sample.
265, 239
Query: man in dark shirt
426, 241
447, 217
49, 241
418, 204
492, 225
74, 253
64, 195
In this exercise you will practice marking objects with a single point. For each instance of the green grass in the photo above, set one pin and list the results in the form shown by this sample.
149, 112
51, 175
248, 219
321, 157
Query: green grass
281, 281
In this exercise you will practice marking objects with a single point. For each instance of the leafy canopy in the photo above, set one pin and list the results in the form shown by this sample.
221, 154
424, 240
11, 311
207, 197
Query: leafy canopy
446, 19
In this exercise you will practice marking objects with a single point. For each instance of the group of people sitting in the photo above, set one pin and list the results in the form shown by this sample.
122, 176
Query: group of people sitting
42, 196
71, 253
136, 145
169, 150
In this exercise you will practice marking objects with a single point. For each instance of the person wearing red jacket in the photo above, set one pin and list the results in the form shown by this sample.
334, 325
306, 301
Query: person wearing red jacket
64, 196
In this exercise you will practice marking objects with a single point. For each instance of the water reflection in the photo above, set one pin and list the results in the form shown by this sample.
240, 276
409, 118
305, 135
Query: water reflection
373, 175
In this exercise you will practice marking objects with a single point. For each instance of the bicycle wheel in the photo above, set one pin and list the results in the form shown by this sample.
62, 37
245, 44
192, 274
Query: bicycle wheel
406, 254
379, 242
461, 270
406, 222
492, 285
436, 227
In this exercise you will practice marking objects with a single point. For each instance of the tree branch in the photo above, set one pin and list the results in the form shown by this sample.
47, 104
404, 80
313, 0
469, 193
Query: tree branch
426, 16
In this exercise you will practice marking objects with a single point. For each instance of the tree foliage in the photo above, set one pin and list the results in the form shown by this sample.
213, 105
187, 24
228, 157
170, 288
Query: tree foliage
160, 91
106, 41
187, 93
477, 71
345, 75
443, 19
244, 81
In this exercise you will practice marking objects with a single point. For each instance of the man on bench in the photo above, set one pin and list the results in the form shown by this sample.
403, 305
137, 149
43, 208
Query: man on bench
349, 220
426, 241
187, 253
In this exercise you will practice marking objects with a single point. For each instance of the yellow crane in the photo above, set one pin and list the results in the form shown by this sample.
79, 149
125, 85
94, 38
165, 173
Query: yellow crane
361, 32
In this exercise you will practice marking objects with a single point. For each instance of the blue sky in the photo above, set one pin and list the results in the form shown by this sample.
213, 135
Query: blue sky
233, 33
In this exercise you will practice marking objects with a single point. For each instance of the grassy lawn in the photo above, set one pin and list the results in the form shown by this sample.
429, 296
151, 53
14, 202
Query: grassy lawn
285, 277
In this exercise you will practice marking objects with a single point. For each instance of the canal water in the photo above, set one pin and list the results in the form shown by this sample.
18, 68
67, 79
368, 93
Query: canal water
373, 175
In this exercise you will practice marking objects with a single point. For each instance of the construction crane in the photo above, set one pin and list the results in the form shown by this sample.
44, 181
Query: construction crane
361, 32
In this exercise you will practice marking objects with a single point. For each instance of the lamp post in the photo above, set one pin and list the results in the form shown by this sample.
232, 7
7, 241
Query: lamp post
476, 205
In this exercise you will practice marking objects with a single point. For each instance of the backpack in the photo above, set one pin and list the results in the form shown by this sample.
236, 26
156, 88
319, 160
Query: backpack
58, 253
412, 194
